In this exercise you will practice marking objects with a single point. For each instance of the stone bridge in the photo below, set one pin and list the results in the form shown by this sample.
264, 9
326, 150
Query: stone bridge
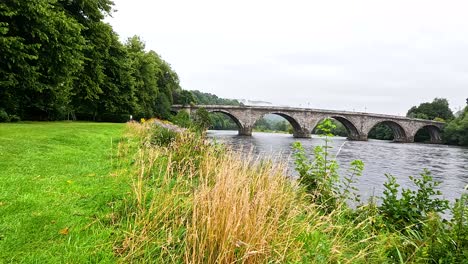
304, 120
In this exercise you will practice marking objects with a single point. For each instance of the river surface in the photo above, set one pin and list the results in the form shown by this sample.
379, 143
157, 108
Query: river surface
447, 164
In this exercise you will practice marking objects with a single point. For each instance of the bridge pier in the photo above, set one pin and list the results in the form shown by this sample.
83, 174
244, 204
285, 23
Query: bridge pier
359, 137
245, 131
407, 139
302, 133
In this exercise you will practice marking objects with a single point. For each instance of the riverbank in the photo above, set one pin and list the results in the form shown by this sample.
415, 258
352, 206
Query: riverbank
86, 192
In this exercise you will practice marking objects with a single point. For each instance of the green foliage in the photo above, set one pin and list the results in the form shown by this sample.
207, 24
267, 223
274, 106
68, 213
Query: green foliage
348, 191
381, 131
182, 119
456, 132
40, 50
184, 98
412, 207
338, 128
410, 221
267, 124
438, 108
15, 118
4, 116
220, 121
459, 225
162, 136
202, 119
320, 176
211, 99
60, 60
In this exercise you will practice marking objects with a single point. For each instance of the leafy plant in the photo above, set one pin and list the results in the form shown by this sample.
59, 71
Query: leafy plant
320, 175
202, 119
163, 136
413, 206
4, 116
15, 118
459, 225
182, 119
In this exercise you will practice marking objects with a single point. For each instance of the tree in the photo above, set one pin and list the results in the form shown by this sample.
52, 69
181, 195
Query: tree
338, 129
381, 131
40, 51
183, 97
438, 108
59, 59
211, 99
145, 67
456, 132
202, 119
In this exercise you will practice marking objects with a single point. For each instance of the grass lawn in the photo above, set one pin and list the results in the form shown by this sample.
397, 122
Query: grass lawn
58, 192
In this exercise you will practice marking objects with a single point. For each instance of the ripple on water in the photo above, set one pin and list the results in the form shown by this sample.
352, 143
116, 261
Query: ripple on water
447, 164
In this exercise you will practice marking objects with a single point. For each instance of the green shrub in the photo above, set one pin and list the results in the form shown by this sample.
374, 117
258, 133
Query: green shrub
15, 118
459, 224
202, 119
162, 136
4, 116
320, 175
182, 119
413, 206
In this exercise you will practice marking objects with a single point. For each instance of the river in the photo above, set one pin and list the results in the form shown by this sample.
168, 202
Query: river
447, 164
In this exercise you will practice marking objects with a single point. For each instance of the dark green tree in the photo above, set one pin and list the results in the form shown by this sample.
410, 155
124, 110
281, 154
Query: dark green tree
202, 119
382, 132
438, 108
211, 99
145, 68
40, 53
456, 132
183, 97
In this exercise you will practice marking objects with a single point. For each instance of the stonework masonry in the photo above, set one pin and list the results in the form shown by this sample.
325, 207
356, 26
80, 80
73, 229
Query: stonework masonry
304, 120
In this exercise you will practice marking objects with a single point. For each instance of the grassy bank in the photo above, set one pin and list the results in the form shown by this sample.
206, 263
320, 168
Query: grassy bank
57, 191
84, 192
194, 202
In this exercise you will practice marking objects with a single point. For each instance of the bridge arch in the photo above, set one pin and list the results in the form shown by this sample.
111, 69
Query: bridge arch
230, 115
243, 130
435, 133
289, 118
399, 133
351, 128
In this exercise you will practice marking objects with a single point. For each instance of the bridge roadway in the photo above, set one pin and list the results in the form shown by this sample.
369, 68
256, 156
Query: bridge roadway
304, 120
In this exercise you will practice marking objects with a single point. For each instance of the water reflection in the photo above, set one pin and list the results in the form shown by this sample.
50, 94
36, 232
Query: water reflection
447, 164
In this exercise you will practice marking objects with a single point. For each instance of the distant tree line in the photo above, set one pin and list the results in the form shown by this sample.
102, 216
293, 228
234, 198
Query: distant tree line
59, 60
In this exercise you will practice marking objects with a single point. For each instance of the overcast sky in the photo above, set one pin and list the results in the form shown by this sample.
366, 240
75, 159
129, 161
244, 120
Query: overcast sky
378, 56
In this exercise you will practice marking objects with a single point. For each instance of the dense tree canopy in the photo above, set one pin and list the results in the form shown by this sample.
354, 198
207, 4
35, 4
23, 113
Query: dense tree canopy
438, 108
456, 132
211, 99
60, 60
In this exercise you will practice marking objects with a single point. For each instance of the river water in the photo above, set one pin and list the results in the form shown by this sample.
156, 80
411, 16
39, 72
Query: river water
447, 164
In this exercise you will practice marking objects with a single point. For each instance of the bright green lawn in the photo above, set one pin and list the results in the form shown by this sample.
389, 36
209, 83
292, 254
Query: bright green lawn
54, 176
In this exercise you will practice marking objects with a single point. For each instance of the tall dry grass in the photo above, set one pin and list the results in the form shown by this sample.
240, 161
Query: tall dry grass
241, 214
193, 202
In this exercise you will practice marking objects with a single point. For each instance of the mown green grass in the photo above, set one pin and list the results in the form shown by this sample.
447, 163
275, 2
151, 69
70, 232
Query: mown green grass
58, 194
